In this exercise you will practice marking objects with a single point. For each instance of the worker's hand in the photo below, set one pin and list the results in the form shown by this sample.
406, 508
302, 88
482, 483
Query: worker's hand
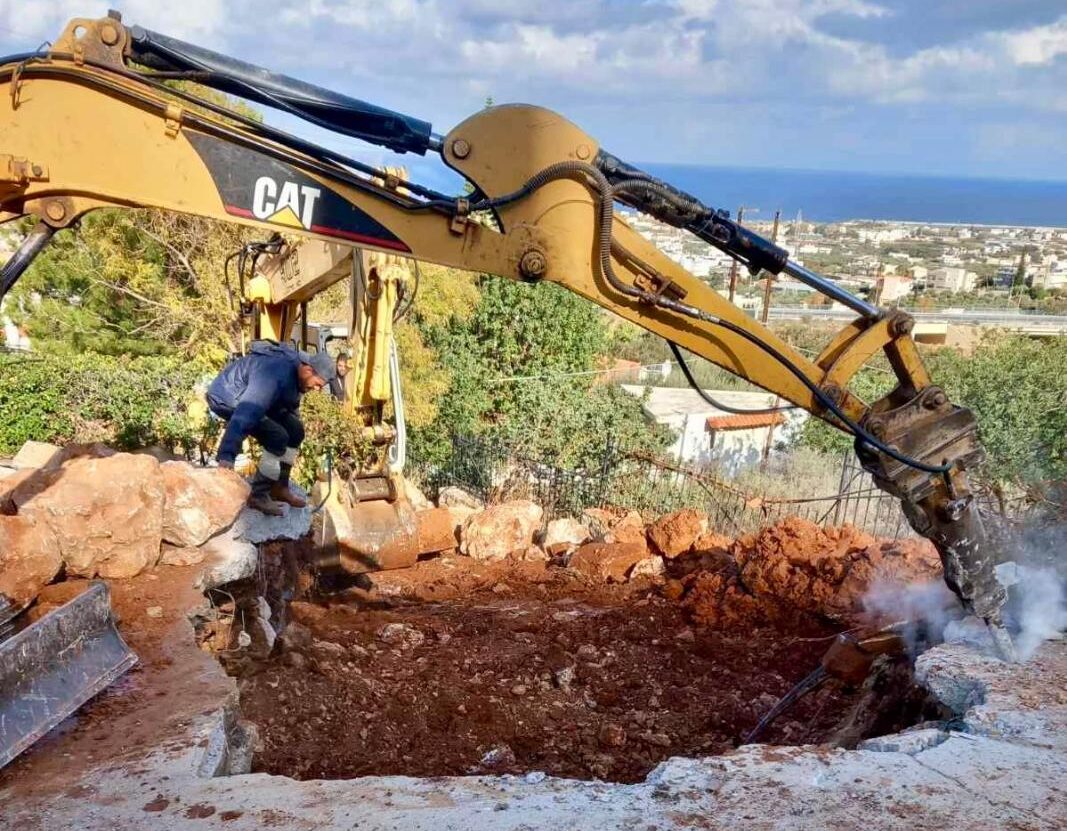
225, 465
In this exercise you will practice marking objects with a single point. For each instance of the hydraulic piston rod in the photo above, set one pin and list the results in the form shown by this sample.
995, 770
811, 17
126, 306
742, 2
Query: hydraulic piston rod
830, 289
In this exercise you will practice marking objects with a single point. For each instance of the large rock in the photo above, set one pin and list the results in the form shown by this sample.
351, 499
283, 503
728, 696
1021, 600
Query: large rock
106, 513
497, 531
227, 560
453, 497
10, 479
564, 535
173, 555
200, 502
35, 454
651, 568
610, 562
29, 558
675, 533
629, 529
415, 496
599, 520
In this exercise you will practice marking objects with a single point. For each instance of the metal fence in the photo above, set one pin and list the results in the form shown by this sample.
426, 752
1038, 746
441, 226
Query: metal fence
654, 485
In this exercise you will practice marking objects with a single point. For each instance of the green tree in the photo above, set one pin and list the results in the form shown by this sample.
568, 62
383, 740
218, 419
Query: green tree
522, 370
1017, 390
133, 282
1019, 280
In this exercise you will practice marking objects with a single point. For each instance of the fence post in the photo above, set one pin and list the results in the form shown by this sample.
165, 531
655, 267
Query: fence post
841, 483
606, 466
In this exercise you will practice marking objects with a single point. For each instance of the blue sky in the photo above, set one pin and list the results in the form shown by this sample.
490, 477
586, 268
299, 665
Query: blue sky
949, 87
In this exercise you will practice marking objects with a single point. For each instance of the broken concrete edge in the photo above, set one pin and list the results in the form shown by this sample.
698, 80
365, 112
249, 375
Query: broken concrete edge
233, 555
231, 743
1002, 701
231, 558
254, 527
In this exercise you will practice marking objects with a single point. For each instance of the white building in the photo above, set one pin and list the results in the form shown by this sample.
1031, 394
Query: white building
877, 235
707, 435
952, 279
892, 287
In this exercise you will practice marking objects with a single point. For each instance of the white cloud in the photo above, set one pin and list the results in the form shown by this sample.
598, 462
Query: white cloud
670, 63
1039, 45
34, 21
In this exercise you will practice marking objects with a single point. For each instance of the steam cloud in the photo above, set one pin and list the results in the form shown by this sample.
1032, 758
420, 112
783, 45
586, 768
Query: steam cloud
1036, 610
1036, 605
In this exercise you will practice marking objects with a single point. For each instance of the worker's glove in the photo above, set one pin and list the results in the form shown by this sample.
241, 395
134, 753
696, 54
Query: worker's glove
226, 465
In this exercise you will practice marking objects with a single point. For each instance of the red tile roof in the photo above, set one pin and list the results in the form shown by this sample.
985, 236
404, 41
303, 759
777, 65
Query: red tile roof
745, 422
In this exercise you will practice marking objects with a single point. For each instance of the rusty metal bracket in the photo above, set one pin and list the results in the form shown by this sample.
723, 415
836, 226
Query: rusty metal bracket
461, 217
100, 41
173, 116
17, 172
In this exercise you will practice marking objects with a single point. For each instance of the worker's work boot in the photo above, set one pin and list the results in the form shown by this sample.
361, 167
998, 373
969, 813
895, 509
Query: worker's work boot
281, 492
259, 499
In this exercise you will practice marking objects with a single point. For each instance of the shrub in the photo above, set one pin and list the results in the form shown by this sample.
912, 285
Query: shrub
127, 402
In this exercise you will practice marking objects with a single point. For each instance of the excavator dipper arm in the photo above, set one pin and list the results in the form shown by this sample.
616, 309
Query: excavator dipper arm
84, 127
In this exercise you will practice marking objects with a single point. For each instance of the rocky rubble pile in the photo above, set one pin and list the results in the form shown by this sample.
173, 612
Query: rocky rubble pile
794, 565
89, 511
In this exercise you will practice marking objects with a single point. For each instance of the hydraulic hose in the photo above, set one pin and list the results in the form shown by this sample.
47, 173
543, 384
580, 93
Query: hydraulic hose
726, 408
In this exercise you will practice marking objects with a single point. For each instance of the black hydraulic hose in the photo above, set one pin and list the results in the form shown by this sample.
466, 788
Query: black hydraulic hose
303, 115
30, 247
808, 683
336, 111
435, 199
726, 408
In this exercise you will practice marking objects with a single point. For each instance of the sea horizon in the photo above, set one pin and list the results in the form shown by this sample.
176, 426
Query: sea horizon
841, 196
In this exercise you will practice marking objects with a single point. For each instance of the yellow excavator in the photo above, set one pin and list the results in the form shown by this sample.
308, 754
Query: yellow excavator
91, 122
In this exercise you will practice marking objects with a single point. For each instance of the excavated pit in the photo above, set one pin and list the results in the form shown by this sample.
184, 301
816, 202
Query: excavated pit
457, 667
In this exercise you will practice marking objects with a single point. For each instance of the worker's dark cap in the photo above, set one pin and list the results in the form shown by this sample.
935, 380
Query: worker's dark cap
322, 363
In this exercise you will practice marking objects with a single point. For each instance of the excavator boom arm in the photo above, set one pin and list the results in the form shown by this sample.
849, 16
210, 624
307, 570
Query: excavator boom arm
82, 128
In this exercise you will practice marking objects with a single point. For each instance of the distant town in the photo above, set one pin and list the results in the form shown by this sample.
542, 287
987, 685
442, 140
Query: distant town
904, 264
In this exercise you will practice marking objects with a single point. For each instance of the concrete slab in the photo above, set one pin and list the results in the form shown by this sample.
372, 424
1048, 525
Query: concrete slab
254, 527
147, 761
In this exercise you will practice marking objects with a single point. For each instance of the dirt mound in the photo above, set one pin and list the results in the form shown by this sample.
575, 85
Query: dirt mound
797, 565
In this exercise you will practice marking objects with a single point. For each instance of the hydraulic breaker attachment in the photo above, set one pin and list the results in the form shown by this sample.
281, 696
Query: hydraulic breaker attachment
52, 667
940, 507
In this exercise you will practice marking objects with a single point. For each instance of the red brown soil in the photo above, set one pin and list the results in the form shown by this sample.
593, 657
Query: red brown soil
487, 688
797, 565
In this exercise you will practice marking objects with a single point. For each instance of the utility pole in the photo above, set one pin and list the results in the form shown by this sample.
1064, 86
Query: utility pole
768, 279
768, 282
734, 267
